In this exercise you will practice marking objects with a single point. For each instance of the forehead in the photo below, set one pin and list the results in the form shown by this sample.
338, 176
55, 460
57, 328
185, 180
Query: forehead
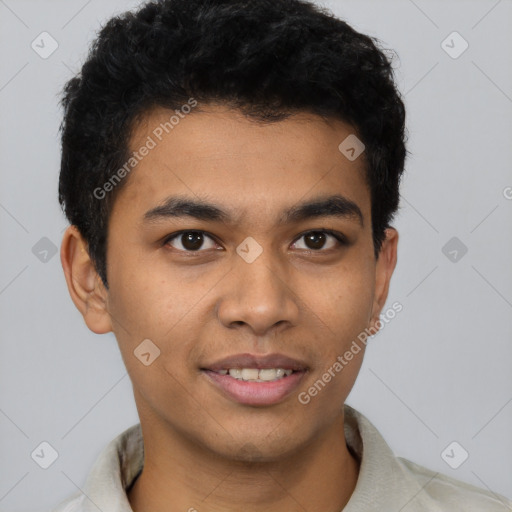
217, 153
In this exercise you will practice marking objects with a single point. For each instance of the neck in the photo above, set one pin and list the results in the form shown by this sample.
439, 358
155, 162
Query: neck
179, 477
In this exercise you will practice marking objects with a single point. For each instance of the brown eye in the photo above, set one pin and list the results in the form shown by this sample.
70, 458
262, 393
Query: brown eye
189, 240
316, 240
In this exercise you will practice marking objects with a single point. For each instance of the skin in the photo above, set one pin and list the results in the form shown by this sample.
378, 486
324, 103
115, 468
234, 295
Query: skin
204, 451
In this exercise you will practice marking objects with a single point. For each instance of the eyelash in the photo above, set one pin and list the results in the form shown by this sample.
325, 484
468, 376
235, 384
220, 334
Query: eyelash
340, 237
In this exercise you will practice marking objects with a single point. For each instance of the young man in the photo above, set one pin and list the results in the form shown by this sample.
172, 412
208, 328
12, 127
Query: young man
230, 170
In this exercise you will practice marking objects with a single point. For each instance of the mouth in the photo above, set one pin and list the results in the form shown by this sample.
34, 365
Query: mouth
256, 380
256, 374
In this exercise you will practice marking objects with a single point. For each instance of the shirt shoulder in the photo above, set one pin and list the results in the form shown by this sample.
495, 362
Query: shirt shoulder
73, 503
390, 483
453, 495
114, 470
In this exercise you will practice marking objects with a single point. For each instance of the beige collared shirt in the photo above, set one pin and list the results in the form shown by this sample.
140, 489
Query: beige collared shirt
385, 483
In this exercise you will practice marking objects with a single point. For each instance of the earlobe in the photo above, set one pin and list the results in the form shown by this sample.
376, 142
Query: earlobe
84, 284
383, 272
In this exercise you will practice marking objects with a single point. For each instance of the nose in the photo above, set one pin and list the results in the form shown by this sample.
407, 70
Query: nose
259, 296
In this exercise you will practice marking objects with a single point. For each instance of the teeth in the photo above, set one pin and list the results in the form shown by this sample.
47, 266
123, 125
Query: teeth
236, 373
270, 373
250, 374
255, 375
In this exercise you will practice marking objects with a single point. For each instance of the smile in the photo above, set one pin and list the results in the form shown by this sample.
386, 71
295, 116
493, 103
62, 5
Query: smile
255, 387
256, 374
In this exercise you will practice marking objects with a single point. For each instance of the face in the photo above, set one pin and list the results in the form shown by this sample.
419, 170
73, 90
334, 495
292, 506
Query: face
248, 277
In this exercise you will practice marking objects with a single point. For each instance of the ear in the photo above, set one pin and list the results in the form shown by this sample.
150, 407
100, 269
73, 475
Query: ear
384, 270
84, 284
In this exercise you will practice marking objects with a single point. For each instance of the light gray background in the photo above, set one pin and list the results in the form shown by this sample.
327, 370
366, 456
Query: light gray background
439, 372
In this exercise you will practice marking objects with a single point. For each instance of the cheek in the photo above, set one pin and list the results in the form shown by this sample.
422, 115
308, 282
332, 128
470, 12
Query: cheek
148, 296
149, 319
343, 302
344, 311
161, 306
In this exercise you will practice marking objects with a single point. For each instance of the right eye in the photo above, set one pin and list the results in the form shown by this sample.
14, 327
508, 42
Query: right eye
190, 241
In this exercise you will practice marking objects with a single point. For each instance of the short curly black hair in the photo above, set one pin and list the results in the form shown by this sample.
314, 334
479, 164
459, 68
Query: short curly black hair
266, 58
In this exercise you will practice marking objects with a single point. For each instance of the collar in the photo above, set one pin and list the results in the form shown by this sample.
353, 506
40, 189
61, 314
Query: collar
385, 482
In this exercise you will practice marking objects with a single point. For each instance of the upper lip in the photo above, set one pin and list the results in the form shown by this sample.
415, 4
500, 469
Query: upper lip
257, 361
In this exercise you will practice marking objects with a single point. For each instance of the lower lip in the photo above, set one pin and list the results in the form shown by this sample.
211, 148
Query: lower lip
255, 393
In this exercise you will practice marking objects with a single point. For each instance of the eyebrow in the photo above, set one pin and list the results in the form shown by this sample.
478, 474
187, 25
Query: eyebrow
178, 206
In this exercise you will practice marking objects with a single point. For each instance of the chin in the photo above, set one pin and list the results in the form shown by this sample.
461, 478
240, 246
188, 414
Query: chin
254, 448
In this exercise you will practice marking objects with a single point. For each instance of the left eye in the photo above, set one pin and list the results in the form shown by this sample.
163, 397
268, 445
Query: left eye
192, 241
317, 239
